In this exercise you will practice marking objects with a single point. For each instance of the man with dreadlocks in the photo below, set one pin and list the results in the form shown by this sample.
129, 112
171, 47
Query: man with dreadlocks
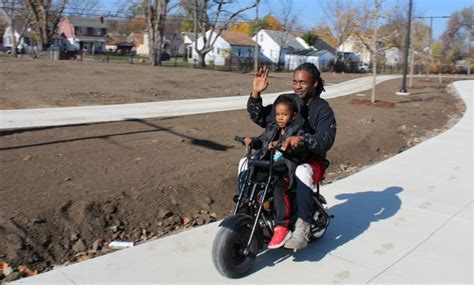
307, 86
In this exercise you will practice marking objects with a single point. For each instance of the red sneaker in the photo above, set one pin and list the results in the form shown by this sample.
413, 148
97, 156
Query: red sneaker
280, 236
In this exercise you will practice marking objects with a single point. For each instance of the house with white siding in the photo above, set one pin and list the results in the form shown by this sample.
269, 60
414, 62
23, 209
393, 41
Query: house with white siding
275, 44
235, 45
354, 45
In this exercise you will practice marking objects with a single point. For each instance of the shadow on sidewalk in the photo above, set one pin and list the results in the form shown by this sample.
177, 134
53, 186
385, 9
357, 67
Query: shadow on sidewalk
351, 219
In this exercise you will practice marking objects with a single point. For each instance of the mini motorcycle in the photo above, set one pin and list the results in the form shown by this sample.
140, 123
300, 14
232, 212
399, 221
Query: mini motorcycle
250, 227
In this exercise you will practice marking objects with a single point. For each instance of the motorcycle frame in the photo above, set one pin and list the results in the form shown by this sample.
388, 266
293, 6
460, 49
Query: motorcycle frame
251, 200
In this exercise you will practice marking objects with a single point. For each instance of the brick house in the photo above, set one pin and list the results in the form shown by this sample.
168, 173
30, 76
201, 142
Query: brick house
86, 34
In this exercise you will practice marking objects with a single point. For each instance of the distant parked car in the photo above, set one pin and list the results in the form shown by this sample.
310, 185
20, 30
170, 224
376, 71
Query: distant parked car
165, 56
362, 67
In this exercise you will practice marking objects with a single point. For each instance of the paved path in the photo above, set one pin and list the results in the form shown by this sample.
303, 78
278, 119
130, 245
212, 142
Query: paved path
28, 118
408, 219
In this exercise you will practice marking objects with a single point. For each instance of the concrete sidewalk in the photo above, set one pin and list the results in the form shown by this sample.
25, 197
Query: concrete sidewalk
45, 117
408, 219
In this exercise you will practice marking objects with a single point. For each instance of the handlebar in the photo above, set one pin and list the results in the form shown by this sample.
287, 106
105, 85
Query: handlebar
288, 151
247, 148
239, 139
259, 163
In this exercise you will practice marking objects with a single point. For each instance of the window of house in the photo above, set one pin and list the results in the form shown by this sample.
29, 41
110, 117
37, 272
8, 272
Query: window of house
261, 37
238, 52
218, 50
98, 31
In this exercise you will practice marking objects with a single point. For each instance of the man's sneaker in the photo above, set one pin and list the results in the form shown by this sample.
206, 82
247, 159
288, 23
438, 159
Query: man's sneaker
280, 236
300, 236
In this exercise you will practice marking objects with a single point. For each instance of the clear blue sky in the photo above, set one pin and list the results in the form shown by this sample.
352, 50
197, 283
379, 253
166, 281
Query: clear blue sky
311, 12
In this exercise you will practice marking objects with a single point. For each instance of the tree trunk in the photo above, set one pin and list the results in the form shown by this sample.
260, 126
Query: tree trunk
155, 12
374, 66
202, 59
374, 50
14, 43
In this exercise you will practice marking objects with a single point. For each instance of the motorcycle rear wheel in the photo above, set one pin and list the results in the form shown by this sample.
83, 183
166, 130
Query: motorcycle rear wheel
318, 232
228, 251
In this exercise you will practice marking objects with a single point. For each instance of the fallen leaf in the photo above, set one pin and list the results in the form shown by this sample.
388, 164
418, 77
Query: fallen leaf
186, 220
24, 269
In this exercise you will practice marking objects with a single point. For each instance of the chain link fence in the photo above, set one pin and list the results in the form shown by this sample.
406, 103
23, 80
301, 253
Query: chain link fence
246, 64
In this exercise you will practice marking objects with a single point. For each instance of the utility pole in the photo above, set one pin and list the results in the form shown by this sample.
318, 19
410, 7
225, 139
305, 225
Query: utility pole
403, 89
428, 70
256, 51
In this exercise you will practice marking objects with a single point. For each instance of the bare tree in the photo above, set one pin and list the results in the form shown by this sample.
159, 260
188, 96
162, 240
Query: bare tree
12, 11
367, 31
419, 47
288, 21
210, 16
457, 38
46, 17
341, 18
155, 13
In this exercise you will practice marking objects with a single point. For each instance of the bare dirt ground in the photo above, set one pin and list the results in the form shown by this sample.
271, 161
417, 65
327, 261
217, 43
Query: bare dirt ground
68, 191
39, 84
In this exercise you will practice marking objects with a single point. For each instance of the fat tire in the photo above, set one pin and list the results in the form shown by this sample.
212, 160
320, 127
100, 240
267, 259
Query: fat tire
225, 249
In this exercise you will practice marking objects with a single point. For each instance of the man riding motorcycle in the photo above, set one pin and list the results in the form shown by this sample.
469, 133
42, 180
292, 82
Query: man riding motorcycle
308, 86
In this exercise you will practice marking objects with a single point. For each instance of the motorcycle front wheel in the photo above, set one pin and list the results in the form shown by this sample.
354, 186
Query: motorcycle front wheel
228, 253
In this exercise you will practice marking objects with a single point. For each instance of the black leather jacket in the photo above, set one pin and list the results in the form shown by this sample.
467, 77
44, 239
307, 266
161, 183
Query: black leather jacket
322, 123
290, 160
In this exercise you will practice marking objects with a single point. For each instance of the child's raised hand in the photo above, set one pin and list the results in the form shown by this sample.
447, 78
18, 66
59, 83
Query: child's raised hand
247, 141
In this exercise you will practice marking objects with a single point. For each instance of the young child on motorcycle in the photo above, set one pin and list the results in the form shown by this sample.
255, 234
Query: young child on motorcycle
288, 122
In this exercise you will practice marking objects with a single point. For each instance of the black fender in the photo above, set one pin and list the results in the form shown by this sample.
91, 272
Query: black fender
238, 220
322, 200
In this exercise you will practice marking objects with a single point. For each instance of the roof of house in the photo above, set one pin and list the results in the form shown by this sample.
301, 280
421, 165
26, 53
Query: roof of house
173, 24
305, 52
136, 38
19, 24
285, 39
87, 22
319, 44
323, 51
190, 35
237, 38
309, 52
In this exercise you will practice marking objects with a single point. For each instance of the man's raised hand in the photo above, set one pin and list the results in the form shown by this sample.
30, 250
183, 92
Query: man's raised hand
260, 82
